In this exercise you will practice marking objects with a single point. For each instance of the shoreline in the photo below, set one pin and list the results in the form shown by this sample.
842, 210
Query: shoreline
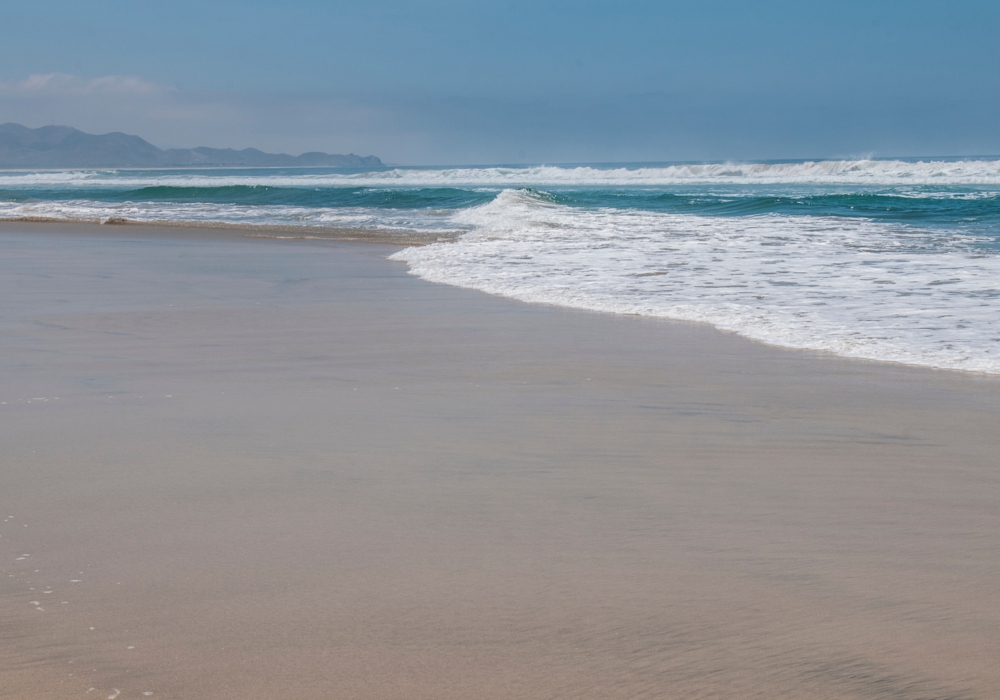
377, 237
255, 470
331, 233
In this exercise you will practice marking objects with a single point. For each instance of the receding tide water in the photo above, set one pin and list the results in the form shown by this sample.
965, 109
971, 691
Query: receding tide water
880, 259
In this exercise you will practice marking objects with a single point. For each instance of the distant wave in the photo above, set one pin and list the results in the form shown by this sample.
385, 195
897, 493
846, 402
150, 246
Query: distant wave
839, 172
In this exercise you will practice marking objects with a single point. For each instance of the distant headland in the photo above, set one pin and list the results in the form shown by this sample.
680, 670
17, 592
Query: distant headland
66, 147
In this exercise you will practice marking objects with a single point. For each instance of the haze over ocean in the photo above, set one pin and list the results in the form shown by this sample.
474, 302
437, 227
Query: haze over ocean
507, 81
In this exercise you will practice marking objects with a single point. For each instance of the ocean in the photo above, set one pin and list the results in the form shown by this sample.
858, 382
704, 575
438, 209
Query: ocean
892, 260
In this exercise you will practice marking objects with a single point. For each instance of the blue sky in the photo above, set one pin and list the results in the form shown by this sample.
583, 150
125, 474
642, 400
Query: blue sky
515, 81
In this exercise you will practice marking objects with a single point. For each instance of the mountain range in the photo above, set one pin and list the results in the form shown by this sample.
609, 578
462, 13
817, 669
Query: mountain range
66, 147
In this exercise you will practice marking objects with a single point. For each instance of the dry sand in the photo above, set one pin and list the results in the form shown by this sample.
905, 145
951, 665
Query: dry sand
290, 469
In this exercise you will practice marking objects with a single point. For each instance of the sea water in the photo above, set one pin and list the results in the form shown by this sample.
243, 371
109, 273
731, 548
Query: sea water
880, 259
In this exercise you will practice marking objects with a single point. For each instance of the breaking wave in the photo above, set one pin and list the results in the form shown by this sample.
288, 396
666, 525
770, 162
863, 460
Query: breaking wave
855, 287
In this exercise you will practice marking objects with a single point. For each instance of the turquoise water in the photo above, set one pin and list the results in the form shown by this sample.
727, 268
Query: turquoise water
887, 260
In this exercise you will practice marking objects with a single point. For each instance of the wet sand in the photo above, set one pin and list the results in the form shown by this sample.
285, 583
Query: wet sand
290, 469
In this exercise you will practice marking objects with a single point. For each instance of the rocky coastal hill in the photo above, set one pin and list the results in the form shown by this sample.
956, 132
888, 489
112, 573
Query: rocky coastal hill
66, 147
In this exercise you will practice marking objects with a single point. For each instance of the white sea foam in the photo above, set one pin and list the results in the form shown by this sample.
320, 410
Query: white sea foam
834, 172
855, 287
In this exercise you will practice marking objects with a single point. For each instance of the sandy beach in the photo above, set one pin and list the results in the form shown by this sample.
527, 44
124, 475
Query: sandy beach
244, 467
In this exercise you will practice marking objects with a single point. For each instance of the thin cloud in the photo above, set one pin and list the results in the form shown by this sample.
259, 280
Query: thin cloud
57, 84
